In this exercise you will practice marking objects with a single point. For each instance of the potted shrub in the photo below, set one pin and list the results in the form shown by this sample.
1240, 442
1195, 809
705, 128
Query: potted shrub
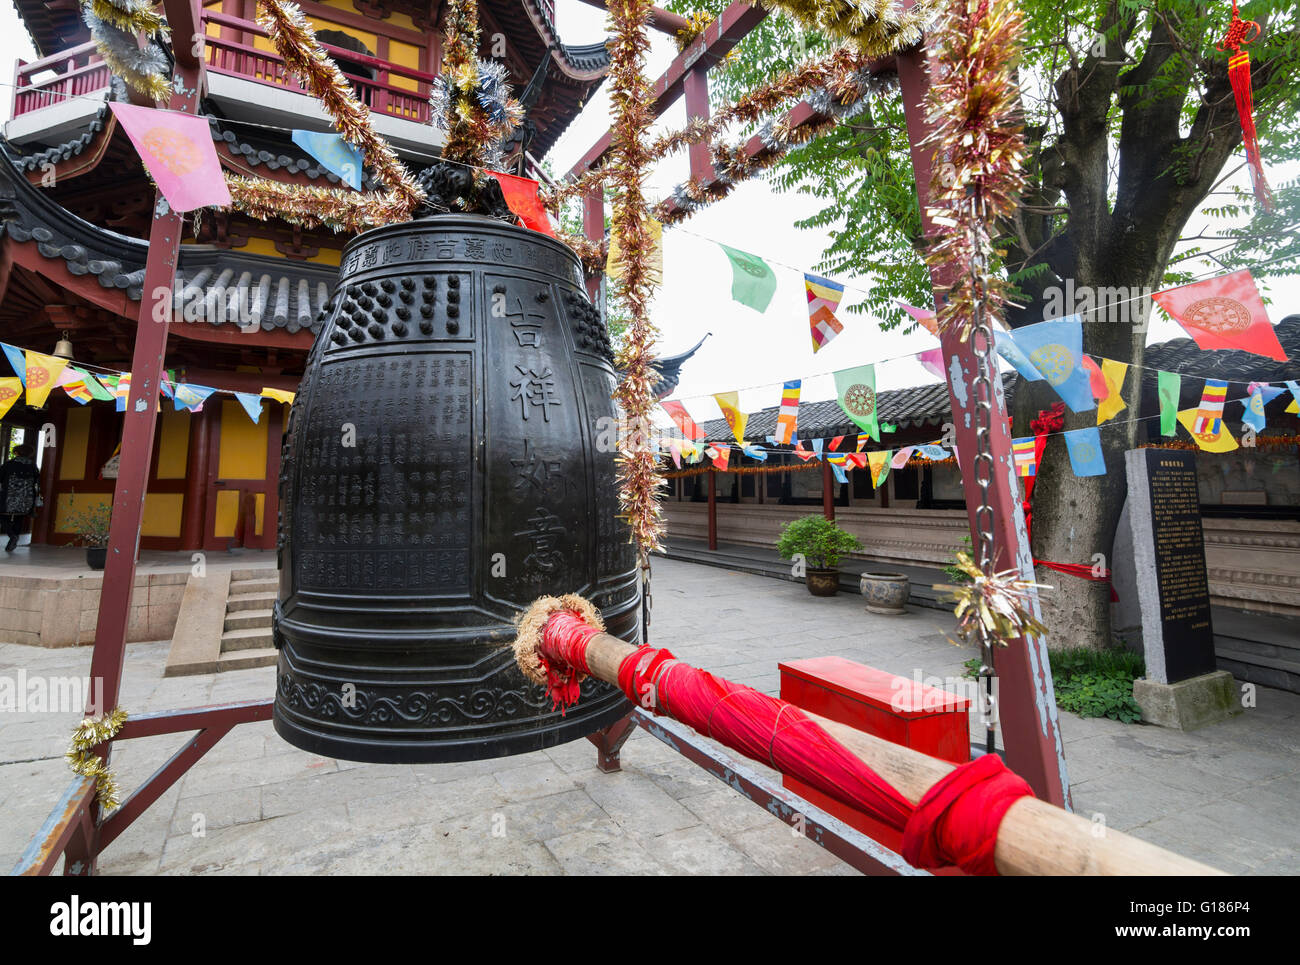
90, 527
821, 544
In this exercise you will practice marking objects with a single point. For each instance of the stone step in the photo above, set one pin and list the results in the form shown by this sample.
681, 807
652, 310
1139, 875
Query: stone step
249, 601
270, 584
250, 639
247, 659
248, 619
253, 573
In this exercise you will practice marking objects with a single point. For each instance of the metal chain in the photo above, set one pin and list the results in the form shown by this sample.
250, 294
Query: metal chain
981, 336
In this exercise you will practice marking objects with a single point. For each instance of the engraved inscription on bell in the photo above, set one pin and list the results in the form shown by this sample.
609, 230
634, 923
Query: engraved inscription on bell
441, 471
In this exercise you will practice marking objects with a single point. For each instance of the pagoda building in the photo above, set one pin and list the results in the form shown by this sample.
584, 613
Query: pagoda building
249, 294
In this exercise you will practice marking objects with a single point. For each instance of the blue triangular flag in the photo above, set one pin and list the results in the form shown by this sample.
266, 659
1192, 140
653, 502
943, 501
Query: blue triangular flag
933, 452
1085, 452
337, 155
755, 452
252, 403
18, 360
1009, 350
190, 396
1056, 349
817, 447
1261, 394
840, 474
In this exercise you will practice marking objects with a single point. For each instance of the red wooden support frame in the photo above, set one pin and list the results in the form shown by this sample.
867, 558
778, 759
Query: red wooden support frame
140, 420
1028, 709
609, 742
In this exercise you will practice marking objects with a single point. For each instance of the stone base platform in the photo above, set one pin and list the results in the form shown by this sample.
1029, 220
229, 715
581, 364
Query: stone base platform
1188, 704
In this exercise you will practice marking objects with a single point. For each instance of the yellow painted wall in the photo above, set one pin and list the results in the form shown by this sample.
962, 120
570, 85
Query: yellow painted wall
173, 446
328, 256
227, 512
259, 509
162, 514
402, 20
261, 246
76, 439
405, 55
79, 503
242, 450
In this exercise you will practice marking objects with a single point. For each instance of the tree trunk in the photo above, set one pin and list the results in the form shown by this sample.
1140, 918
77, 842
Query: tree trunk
1074, 518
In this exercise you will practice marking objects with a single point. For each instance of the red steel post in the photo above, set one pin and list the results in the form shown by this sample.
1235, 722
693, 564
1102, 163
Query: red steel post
139, 421
1027, 704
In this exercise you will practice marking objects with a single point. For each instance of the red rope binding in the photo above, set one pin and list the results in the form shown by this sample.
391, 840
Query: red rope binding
956, 822
564, 657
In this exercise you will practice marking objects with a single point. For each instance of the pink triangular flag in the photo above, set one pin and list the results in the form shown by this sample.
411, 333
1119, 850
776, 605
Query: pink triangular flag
177, 151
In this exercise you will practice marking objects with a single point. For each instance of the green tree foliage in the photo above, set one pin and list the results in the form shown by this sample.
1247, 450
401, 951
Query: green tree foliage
1129, 120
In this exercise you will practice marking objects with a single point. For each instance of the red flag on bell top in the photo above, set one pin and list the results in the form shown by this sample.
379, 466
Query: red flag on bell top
521, 196
1223, 313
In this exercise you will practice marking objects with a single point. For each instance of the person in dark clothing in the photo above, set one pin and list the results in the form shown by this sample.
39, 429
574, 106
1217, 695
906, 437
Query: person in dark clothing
19, 482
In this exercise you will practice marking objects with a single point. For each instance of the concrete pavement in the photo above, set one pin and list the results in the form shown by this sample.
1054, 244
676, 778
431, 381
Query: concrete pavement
1228, 795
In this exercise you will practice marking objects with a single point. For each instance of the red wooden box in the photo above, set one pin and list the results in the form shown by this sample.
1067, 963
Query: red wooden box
894, 708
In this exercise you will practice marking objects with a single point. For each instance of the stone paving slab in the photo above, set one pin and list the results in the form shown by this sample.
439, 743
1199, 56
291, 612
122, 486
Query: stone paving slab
1228, 795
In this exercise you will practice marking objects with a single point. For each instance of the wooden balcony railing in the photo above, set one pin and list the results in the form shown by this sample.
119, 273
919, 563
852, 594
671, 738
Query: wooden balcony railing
393, 89
78, 71
233, 52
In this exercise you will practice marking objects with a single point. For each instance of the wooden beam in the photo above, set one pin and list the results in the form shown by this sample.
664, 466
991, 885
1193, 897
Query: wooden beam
1034, 838
662, 20
713, 43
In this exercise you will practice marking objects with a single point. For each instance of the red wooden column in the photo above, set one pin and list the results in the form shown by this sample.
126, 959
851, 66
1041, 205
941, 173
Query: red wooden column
140, 418
1027, 711
828, 492
713, 510
196, 479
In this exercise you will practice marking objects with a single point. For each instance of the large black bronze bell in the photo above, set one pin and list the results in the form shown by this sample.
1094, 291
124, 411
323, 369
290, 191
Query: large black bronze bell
441, 471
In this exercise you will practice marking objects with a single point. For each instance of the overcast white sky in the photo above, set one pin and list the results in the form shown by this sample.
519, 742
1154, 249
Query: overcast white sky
750, 351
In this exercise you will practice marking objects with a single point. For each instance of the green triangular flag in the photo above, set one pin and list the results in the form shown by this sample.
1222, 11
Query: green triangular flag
888, 427
856, 391
752, 282
93, 385
1168, 389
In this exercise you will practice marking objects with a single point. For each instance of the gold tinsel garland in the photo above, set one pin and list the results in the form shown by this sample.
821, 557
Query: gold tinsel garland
993, 609
833, 72
114, 29
878, 28
296, 42
979, 152
631, 97
979, 149
464, 89
81, 757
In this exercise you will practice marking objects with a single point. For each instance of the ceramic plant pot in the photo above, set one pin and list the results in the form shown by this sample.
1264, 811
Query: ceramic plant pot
885, 592
822, 582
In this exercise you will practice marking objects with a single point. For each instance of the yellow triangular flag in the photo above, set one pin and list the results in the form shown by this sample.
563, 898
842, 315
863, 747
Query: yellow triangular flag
654, 257
729, 403
1294, 407
43, 372
1113, 372
11, 390
279, 395
879, 463
1222, 441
